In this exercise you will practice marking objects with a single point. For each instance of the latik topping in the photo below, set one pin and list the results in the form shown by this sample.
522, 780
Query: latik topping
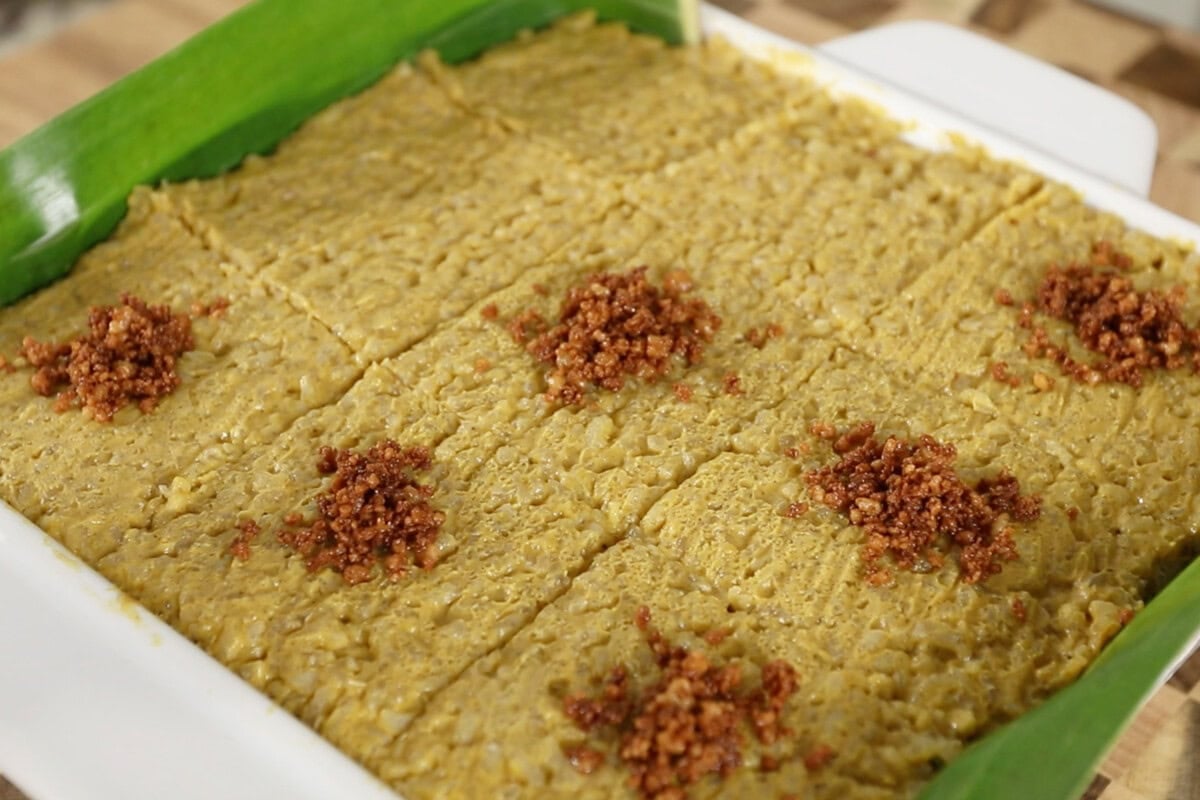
687, 725
373, 511
615, 326
129, 354
910, 501
1133, 332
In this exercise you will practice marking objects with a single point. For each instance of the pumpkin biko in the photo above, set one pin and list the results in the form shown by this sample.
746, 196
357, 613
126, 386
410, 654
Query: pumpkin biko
602, 419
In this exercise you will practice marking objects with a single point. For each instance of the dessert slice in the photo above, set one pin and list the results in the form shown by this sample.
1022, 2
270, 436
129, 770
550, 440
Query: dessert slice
507, 727
358, 655
248, 376
621, 103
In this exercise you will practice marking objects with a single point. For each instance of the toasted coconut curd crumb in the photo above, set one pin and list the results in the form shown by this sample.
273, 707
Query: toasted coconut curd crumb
489, 312
717, 635
526, 325
796, 510
248, 531
215, 309
584, 759
732, 384
1000, 373
758, 337
615, 326
909, 500
689, 724
128, 355
1133, 332
683, 392
818, 757
1018, 609
374, 510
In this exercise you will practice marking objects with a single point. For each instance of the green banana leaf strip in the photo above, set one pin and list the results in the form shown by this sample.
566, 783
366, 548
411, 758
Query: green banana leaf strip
238, 88
1052, 752
244, 84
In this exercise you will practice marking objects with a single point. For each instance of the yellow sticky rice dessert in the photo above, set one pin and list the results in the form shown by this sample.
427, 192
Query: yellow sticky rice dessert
365, 263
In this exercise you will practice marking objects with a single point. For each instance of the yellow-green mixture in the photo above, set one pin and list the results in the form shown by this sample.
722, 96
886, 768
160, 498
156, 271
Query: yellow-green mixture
359, 259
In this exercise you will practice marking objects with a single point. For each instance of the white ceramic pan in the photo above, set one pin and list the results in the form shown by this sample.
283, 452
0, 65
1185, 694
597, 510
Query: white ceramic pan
99, 700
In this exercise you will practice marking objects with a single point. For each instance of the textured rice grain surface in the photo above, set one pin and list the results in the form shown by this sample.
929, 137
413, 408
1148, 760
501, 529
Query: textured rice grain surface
254, 369
374, 263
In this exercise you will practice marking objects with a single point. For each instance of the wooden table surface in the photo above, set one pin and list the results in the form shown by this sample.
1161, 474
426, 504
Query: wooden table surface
1158, 68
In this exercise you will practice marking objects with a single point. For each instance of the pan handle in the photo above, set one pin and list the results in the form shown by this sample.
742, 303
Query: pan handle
1011, 93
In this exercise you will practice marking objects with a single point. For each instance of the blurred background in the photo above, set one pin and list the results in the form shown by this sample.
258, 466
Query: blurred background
55, 53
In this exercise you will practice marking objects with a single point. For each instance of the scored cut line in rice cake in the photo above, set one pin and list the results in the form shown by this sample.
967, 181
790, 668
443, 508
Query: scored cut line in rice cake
357, 662
650, 439
958, 653
1056, 549
612, 431
500, 729
388, 278
1137, 443
625, 448
955, 302
468, 382
621, 102
248, 377
854, 218
385, 153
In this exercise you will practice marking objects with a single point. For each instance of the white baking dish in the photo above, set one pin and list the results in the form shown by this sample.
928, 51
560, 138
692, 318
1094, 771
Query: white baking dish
115, 705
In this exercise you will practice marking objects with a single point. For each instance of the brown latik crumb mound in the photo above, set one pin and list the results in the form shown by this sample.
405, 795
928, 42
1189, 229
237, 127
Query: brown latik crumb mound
615, 326
1133, 332
683, 392
482, 365
689, 724
732, 384
374, 510
128, 355
1004, 297
1126, 615
6, 367
248, 531
489, 312
908, 498
540, 288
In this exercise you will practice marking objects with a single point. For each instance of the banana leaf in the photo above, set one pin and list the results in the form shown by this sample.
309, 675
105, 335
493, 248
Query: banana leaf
238, 88
1051, 752
245, 83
